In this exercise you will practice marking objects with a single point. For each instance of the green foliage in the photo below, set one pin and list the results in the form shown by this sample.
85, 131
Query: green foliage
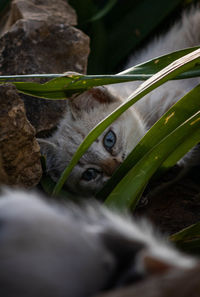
132, 185
179, 113
4, 4
63, 86
183, 64
188, 239
165, 143
142, 159
117, 28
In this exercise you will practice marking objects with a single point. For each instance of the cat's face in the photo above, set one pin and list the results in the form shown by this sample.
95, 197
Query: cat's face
105, 154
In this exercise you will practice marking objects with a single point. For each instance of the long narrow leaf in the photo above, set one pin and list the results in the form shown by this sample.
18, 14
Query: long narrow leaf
62, 86
48, 185
179, 152
126, 194
109, 5
140, 19
175, 116
152, 66
183, 64
188, 239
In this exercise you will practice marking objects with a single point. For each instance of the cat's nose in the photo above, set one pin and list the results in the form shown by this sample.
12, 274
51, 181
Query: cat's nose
110, 165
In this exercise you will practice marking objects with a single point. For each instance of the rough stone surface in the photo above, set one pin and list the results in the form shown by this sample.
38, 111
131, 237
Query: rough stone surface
19, 151
48, 10
38, 37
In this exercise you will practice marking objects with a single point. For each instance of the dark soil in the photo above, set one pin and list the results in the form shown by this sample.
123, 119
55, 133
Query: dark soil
176, 206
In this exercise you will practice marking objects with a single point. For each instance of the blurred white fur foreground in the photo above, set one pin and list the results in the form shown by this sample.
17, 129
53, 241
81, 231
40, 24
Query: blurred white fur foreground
63, 250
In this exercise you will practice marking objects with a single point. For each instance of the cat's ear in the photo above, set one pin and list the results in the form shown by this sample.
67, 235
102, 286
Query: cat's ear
48, 150
91, 99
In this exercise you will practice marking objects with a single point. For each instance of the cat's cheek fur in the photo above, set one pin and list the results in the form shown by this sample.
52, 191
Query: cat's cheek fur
134, 128
59, 148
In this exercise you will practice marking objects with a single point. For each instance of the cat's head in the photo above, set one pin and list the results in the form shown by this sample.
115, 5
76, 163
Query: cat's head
105, 154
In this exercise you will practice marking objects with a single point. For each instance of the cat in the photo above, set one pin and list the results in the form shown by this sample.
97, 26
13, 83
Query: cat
113, 146
50, 249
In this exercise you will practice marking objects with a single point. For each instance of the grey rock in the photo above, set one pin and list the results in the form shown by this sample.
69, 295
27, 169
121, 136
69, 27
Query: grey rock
19, 151
39, 37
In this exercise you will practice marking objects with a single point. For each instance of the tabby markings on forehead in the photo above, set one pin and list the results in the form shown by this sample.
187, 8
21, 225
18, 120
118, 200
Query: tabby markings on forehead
99, 95
73, 140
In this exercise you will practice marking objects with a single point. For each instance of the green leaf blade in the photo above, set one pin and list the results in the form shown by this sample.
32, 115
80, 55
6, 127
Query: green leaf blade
63, 86
175, 116
126, 193
188, 239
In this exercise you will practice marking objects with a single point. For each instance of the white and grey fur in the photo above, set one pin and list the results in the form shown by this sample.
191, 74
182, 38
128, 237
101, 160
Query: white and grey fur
56, 250
89, 108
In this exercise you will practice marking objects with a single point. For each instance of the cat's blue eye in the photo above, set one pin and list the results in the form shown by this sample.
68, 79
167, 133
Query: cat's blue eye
90, 174
109, 140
